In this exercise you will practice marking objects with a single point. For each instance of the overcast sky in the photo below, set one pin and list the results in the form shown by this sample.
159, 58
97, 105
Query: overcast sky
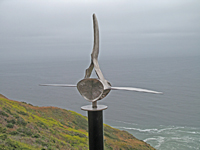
128, 28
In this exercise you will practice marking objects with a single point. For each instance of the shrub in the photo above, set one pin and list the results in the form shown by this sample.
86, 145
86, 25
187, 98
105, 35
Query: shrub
20, 121
3, 113
30, 104
12, 144
14, 133
3, 136
22, 113
25, 131
36, 136
10, 125
2, 147
11, 121
41, 142
2, 130
42, 125
16, 115
7, 110
53, 132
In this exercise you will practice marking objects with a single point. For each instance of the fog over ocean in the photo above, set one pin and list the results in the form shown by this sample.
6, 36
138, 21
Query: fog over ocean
168, 121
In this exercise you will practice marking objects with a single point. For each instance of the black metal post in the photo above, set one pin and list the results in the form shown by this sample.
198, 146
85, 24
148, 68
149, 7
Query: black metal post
95, 127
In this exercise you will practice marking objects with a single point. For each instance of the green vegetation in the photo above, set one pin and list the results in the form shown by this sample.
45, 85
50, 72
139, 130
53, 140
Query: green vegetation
26, 127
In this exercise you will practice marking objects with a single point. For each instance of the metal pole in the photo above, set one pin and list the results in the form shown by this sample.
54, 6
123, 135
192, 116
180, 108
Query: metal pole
95, 126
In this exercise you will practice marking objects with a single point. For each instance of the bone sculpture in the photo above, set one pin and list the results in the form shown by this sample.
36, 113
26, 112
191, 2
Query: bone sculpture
94, 89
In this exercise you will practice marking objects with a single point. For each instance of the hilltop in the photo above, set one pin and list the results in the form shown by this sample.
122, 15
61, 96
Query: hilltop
27, 127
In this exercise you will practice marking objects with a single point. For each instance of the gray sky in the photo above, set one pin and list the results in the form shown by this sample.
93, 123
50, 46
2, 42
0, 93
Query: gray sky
128, 28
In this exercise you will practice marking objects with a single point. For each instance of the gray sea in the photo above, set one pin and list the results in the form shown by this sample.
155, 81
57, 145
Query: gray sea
170, 121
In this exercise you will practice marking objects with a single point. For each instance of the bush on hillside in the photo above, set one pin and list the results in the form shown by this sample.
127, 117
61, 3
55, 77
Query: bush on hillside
10, 125
20, 121
3, 113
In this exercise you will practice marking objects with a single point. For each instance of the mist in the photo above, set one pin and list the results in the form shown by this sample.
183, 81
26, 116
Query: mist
39, 30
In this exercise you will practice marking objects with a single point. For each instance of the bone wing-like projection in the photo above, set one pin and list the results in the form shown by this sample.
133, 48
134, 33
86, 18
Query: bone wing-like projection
59, 85
112, 88
94, 56
135, 89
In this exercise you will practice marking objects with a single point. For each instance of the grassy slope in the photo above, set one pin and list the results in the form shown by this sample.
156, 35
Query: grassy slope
23, 126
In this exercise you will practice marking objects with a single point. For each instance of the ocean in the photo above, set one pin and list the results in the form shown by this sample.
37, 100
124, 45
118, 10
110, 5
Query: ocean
169, 121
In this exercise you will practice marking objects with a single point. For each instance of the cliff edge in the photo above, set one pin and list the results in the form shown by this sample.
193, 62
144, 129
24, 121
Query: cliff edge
24, 126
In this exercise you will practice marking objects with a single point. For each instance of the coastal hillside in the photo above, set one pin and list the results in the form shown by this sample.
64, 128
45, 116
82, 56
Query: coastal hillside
27, 127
